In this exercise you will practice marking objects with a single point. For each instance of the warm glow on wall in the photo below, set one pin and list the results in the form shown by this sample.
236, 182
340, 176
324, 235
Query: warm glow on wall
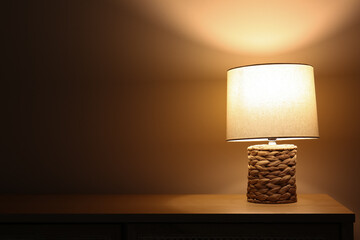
248, 26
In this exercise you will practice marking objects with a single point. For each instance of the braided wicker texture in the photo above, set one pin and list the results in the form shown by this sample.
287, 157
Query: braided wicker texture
271, 177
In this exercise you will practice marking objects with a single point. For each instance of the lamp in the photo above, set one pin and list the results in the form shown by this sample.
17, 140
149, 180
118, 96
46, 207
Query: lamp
269, 102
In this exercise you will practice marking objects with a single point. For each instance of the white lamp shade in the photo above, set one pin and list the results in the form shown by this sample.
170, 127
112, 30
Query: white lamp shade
271, 101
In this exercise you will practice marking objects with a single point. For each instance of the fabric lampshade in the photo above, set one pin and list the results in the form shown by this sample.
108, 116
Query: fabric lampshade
271, 101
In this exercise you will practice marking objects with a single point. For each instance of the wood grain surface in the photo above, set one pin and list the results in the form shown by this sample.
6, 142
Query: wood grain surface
164, 204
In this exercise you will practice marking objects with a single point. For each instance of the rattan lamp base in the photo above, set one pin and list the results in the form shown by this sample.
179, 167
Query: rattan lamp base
271, 176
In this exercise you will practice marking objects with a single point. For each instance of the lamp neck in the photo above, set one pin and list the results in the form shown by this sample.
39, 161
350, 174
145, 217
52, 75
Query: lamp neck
272, 141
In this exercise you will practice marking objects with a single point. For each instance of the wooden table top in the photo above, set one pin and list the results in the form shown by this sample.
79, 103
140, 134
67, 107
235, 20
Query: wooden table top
164, 204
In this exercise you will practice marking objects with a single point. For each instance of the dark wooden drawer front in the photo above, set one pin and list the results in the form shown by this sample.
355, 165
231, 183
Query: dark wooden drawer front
253, 231
59, 232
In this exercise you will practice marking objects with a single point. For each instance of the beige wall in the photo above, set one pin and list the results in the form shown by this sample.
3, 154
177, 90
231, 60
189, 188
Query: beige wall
101, 100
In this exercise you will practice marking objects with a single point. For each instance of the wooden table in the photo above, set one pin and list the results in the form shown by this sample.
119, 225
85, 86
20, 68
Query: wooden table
171, 217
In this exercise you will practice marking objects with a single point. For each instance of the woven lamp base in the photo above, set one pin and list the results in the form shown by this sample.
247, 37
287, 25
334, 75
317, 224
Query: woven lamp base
271, 176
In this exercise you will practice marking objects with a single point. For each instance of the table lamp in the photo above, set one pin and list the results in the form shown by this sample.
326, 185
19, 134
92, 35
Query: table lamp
270, 102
